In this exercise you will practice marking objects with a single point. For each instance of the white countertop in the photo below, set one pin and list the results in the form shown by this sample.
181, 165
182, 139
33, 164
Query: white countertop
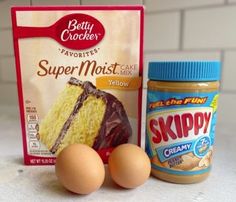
30, 183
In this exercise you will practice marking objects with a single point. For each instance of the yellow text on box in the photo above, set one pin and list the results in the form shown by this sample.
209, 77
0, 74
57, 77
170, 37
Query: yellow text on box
118, 82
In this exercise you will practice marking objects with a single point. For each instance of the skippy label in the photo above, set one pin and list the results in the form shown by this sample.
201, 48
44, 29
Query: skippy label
180, 131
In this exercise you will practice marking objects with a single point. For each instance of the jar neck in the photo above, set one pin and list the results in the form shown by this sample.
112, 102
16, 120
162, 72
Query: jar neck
183, 86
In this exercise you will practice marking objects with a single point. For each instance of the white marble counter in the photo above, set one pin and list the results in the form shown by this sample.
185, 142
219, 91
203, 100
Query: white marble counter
29, 183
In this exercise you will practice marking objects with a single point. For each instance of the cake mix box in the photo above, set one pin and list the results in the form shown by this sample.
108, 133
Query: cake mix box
79, 77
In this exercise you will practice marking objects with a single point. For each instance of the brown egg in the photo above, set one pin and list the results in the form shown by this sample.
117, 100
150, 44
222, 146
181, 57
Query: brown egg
80, 169
129, 165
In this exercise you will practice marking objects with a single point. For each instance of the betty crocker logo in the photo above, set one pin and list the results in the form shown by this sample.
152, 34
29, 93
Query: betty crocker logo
79, 31
75, 31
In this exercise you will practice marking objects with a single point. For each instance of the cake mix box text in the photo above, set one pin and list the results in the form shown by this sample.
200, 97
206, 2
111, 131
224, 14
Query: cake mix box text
79, 77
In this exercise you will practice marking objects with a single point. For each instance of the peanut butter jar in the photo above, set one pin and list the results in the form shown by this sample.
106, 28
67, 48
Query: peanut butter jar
181, 118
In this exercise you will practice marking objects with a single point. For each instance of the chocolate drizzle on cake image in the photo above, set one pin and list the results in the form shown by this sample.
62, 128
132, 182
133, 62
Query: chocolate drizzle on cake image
84, 114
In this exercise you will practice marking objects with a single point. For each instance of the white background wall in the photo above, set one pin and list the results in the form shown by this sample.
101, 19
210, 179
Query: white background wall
174, 30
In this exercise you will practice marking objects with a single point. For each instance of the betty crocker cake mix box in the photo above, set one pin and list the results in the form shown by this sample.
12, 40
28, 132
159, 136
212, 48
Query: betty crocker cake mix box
79, 77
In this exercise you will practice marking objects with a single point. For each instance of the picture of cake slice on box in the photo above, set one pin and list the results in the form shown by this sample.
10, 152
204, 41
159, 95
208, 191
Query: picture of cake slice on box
83, 114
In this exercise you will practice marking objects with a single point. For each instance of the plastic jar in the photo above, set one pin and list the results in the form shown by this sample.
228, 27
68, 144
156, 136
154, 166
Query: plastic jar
181, 118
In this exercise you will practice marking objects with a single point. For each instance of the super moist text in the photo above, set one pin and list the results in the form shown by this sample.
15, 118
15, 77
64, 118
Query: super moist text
84, 68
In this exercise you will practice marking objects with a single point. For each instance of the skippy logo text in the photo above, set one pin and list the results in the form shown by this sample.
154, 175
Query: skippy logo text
175, 126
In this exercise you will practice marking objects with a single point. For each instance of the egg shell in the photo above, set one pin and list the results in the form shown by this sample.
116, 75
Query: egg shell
129, 166
80, 169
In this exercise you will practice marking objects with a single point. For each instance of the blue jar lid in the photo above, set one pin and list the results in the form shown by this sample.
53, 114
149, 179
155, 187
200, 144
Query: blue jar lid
184, 70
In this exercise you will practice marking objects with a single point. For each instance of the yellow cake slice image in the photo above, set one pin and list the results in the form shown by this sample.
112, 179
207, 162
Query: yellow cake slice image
83, 114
